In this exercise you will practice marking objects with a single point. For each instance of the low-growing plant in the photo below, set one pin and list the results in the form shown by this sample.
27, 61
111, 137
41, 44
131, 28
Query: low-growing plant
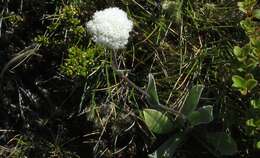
79, 62
181, 123
248, 63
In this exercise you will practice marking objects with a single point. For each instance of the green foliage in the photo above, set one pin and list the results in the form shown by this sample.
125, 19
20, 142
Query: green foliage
15, 19
64, 26
94, 110
160, 123
258, 145
253, 123
43, 40
192, 100
245, 86
248, 57
203, 115
247, 5
242, 53
256, 14
79, 62
157, 122
248, 25
255, 103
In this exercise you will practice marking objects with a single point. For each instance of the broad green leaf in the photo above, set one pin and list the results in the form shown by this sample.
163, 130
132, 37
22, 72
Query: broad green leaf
192, 100
202, 116
238, 82
223, 143
256, 13
157, 122
250, 84
168, 148
152, 91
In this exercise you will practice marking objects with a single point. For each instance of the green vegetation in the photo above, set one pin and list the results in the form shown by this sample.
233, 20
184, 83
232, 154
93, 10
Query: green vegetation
186, 84
79, 63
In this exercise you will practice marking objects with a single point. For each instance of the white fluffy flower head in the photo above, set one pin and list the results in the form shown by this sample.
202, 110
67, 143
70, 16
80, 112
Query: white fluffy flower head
110, 27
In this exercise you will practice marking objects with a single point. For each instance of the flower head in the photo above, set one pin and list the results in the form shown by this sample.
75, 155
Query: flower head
110, 27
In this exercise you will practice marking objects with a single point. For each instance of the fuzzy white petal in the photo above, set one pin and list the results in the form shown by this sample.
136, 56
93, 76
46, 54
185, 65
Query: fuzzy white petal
110, 27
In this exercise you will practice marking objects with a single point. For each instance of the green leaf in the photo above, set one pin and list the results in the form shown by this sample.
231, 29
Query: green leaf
250, 84
255, 103
240, 54
192, 100
241, 7
168, 148
257, 123
157, 122
223, 143
153, 98
202, 116
255, 43
256, 13
250, 123
237, 51
238, 82
248, 25
258, 145
244, 86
